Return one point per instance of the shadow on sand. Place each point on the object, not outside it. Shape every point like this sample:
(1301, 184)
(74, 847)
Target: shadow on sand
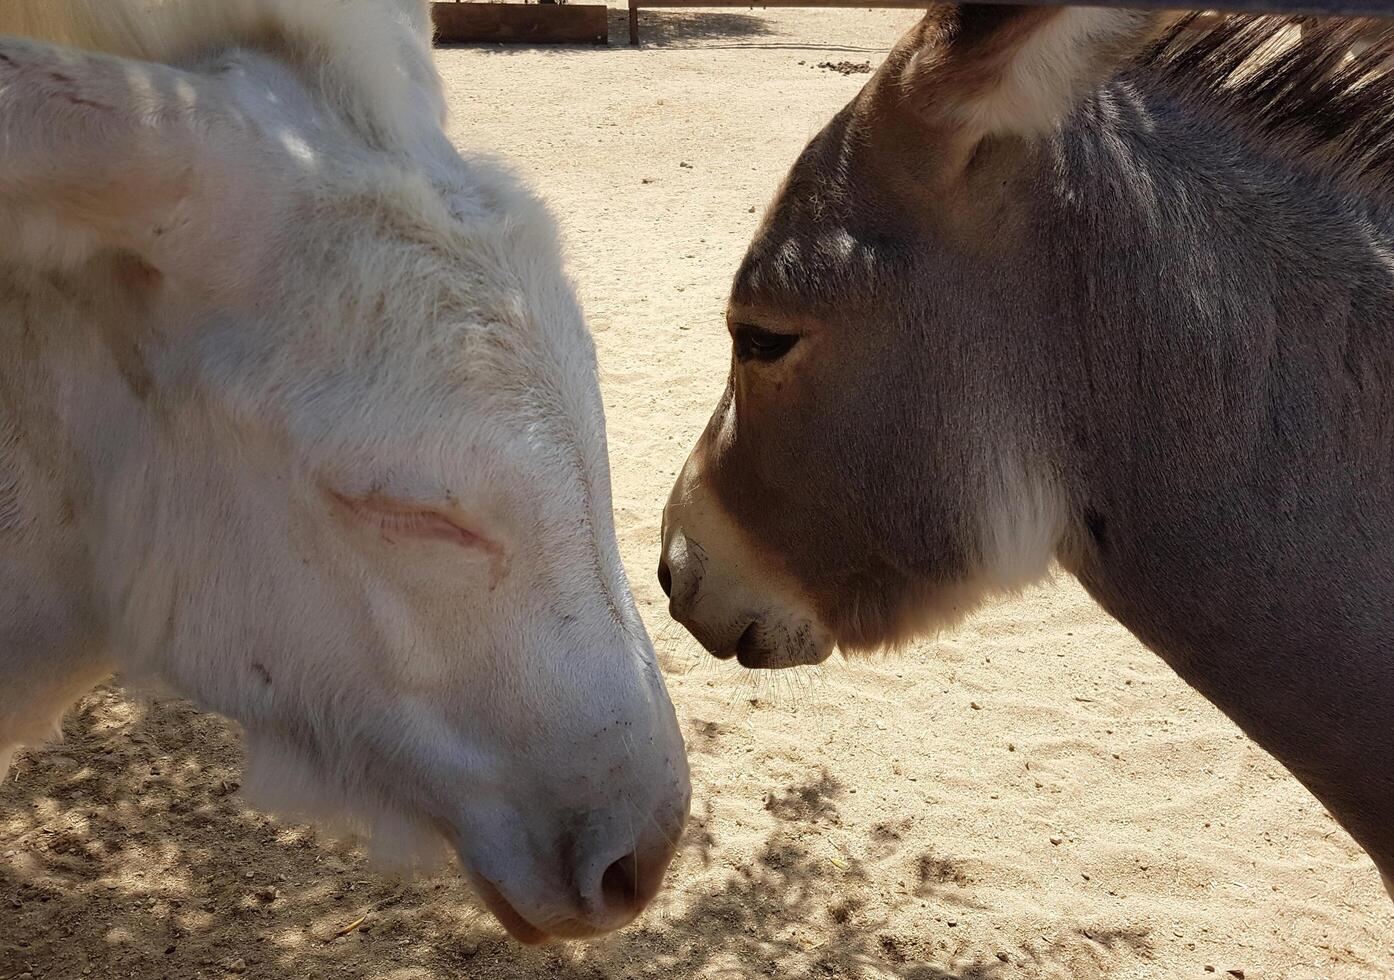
(125, 853)
(681, 28)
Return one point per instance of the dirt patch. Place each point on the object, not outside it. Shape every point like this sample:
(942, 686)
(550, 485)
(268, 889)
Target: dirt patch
(847, 67)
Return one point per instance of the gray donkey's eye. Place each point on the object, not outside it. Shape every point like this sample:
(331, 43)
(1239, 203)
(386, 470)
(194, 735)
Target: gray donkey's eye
(754, 344)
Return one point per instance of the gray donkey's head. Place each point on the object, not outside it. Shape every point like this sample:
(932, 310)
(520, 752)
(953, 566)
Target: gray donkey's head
(1089, 285)
(876, 463)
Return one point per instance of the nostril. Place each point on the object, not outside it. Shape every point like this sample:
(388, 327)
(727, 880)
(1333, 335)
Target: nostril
(619, 886)
(612, 894)
(665, 577)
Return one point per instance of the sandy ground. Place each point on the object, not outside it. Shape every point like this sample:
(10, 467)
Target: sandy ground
(1035, 796)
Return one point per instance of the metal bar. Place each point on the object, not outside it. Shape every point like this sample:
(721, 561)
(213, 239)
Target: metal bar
(1305, 8)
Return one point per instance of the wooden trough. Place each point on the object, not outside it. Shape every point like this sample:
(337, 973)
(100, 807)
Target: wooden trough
(521, 23)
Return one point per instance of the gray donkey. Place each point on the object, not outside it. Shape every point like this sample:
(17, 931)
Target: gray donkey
(1098, 287)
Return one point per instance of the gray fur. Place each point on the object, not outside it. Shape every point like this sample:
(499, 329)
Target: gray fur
(1176, 310)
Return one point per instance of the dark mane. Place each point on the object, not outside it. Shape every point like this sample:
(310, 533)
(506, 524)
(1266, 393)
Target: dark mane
(1320, 93)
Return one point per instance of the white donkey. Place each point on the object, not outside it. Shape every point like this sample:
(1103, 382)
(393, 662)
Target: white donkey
(299, 416)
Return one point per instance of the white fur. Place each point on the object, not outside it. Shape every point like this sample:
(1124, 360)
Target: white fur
(1022, 526)
(720, 584)
(240, 288)
(715, 570)
(1042, 82)
(369, 54)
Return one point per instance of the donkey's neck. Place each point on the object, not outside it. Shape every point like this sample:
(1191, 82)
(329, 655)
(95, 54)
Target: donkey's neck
(1300, 660)
(1232, 347)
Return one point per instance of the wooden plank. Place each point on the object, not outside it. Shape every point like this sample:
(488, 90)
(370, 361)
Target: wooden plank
(521, 23)
(1309, 8)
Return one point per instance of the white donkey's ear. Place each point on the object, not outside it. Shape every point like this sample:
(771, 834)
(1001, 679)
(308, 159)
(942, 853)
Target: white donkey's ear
(101, 152)
(980, 70)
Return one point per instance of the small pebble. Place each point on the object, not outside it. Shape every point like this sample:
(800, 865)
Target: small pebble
(975, 706)
(1057, 841)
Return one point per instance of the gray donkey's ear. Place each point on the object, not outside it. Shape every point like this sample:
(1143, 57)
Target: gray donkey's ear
(98, 152)
(980, 70)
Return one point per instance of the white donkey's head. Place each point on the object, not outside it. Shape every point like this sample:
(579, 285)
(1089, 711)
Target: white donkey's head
(346, 464)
